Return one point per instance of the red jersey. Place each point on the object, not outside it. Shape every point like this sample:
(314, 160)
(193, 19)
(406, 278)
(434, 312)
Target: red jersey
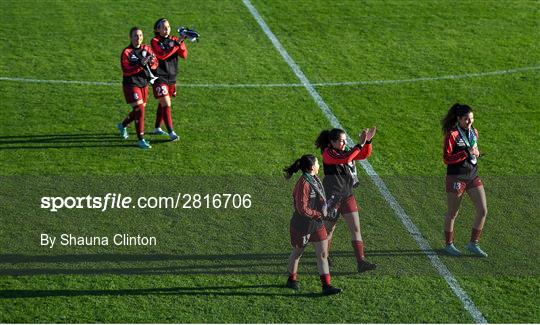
(456, 155)
(133, 72)
(340, 170)
(167, 50)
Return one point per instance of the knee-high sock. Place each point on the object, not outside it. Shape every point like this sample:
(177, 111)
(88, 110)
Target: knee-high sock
(475, 235)
(358, 247)
(132, 116)
(159, 116)
(167, 117)
(293, 276)
(137, 115)
(325, 280)
(449, 237)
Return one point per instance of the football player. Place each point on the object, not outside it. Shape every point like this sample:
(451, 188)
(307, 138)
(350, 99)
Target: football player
(306, 223)
(339, 181)
(167, 49)
(460, 154)
(137, 62)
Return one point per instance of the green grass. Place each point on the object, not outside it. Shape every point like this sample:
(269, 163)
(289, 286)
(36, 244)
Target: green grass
(229, 265)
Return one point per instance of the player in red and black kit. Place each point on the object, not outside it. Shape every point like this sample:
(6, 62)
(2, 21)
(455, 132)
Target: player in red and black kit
(306, 223)
(167, 49)
(461, 154)
(136, 60)
(339, 181)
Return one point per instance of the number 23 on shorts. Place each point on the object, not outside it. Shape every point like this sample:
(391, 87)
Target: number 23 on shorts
(162, 90)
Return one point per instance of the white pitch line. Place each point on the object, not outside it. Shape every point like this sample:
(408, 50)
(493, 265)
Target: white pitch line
(294, 85)
(449, 77)
(49, 81)
(399, 211)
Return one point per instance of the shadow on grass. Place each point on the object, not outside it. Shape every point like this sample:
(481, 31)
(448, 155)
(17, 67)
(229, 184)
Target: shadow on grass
(239, 291)
(68, 141)
(76, 258)
(162, 264)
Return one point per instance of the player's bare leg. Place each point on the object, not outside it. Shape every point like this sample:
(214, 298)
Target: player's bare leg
(294, 259)
(478, 196)
(321, 252)
(353, 223)
(453, 201)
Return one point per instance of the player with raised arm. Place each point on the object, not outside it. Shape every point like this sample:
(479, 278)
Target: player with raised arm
(137, 62)
(460, 154)
(339, 181)
(167, 49)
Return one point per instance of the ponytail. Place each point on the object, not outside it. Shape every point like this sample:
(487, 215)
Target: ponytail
(456, 111)
(305, 163)
(324, 138)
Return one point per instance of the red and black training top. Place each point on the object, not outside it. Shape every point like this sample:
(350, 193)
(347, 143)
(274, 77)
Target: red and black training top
(132, 71)
(456, 155)
(167, 50)
(307, 216)
(307, 201)
(338, 167)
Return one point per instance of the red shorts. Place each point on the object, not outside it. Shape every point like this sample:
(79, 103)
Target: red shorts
(347, 205)
(162, 90)
(456, 185)
(134, 94)
(298, 239)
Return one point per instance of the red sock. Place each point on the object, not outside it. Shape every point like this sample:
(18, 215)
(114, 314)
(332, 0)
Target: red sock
(127, 120)
(325, 280)
(159, 116)
(167, 117)
(358, 247)
(292, 276)
(138, 117)
(475, 235)
(449, 236)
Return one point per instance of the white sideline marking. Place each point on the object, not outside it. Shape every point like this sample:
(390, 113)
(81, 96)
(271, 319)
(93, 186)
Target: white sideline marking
(292, 85)
(400, 212)
(449, 77)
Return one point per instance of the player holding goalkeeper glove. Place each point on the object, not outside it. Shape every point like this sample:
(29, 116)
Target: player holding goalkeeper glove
(136, 61)
(306, 223)
(167, 49)
(339, 181)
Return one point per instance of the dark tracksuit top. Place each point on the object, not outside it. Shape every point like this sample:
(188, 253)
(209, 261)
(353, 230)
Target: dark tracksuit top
(307, 216)
(168, 57)
(133, 73)
(456, 156)
(338, 166)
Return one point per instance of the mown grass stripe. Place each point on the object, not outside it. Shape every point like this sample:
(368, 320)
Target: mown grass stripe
(390, 199)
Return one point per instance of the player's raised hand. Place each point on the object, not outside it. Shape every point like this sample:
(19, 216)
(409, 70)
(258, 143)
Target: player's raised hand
(362, 137)
(371, 133)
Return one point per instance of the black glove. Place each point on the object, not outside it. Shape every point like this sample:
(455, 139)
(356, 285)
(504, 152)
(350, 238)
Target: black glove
(332, 215)
(168, 43)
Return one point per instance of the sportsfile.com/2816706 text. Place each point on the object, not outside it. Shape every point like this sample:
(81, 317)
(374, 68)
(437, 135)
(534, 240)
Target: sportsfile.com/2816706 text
(119, 201)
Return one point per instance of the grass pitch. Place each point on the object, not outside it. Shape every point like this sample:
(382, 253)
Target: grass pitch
(229, 265)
